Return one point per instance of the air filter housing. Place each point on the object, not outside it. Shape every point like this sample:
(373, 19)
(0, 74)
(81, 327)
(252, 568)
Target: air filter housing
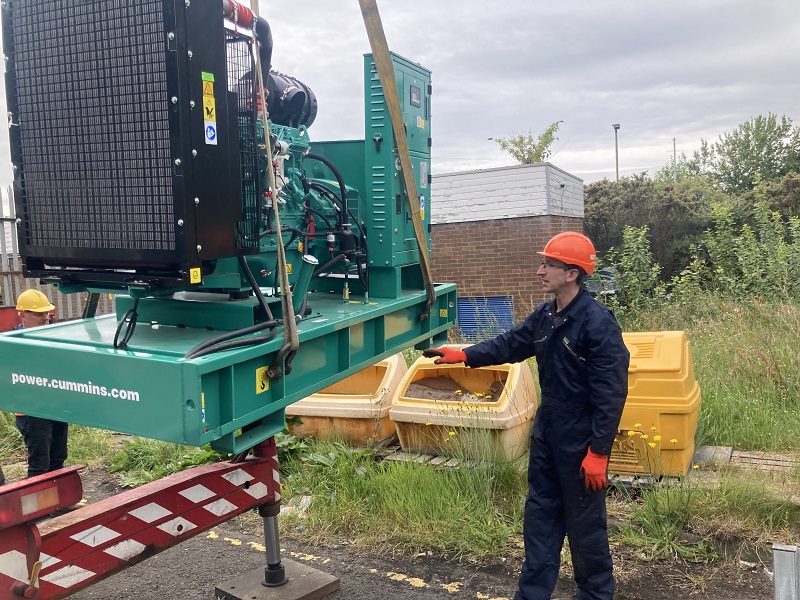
(125, 139)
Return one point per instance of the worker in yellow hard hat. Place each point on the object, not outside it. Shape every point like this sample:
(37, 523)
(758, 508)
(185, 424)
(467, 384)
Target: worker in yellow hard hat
(35, 309)
(45, 439)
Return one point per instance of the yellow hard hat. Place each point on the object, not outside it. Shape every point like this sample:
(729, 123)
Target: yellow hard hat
(34, 301)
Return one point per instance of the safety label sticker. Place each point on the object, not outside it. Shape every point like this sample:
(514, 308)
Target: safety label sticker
(262, 380)
(209, 108)
(211, 132)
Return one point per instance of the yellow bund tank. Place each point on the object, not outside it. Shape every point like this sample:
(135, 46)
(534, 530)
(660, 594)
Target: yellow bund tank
(482, 413)
(656, 433)
(355, 410)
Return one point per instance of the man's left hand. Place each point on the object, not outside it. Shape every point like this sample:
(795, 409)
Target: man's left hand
(594, 468)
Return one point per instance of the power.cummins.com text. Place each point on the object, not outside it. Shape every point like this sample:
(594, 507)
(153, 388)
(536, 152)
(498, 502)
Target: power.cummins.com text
(74, 386)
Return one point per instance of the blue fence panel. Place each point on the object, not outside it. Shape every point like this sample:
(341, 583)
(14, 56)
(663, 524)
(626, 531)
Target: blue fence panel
(483, 317)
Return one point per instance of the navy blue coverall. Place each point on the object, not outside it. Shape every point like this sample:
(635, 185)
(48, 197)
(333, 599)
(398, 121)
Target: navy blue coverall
(46, 441)
(583, 374)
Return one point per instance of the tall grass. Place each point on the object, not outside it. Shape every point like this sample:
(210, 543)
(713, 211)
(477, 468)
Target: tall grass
(11, 444)
(408, 507)
(89, 446)
(746, 362)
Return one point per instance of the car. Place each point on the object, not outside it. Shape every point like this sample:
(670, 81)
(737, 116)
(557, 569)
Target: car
(603, 283)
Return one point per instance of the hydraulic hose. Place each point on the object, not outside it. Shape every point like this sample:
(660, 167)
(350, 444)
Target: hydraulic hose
(339, 180)
(229, 344)
(256, 289)
(321, 216)
(328, 265)
(217, 343)
(335, 199)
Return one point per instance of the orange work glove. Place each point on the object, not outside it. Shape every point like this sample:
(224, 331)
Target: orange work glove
(447, 355)
(594, 468)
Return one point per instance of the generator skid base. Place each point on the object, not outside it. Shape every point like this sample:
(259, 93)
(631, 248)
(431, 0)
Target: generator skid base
(302, 583)
(72, 372)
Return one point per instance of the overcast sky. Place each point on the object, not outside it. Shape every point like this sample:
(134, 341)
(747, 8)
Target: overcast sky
(685, 69)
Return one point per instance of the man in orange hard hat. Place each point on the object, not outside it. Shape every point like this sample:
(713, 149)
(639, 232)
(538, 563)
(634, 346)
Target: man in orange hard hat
(45, 439)
(583, 374)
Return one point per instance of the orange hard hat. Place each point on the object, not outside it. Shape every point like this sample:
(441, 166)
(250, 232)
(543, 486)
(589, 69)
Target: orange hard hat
(572, 248)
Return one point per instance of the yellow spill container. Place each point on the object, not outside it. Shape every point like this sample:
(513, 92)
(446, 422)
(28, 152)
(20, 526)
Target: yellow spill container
(355, 410)
(478, 413)
(656, 433)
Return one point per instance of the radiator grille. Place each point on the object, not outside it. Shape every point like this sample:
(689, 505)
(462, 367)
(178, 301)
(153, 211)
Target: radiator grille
(240, 69)
(93, 114)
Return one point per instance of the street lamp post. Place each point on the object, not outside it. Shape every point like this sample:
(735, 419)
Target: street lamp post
(616, 146)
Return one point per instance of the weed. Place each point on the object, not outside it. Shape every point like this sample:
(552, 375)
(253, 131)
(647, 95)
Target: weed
(661, 510)
(89, 446)
(143, 460)
(406, 507)
(11, 444)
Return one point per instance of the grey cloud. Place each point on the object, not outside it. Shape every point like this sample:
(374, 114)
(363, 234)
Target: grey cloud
(686, 69)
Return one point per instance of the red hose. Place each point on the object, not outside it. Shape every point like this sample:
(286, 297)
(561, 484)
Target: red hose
(241, 15)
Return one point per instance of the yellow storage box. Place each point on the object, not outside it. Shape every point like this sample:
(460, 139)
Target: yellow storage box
(656, 433)
(355, 410)
(482, 413)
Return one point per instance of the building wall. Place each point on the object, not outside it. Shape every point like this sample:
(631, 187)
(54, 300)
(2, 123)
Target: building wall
(505, 193)
(497, 257)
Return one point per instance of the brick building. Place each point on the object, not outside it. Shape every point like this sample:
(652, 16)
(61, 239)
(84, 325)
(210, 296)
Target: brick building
(486, 227)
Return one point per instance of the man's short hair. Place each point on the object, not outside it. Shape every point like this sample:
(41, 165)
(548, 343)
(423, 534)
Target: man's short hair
(581, 273)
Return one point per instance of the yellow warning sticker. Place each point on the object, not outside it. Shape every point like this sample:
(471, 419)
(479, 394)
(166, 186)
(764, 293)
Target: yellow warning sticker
(195, 276)
(208, 88)
(262, 381)
(289, 268)
(209, 108)
(443, 313)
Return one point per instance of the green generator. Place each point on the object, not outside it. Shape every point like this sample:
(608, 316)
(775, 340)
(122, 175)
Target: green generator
(146, 167)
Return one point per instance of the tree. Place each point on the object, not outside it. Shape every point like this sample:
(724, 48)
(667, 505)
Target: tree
(685, 169)
(526, 149)
(763, 148)
(674, 215)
